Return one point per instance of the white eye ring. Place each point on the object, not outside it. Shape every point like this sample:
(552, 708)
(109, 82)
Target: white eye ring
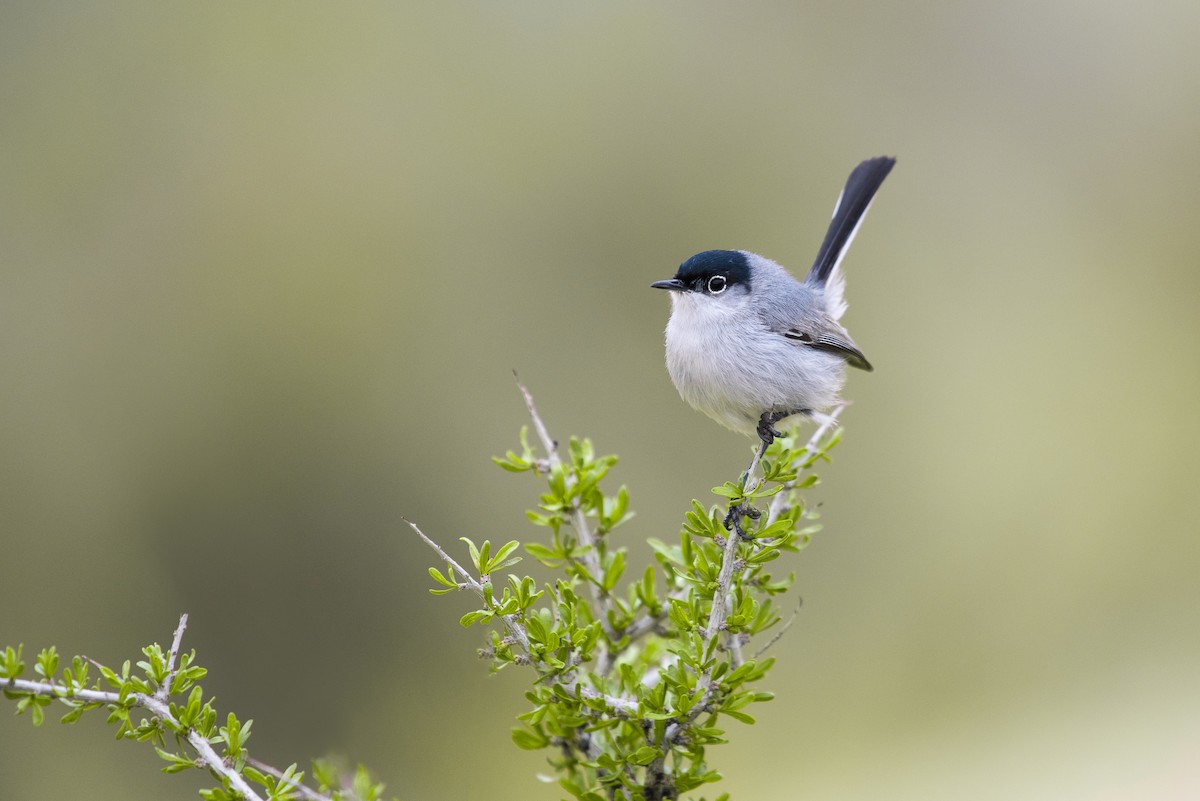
(717, 284)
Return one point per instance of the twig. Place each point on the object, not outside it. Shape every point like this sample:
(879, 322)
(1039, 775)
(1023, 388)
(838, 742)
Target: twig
(779, 634)
(754, 463)
(516, 628)
(651, 623)
(291, 782)
(164, 690)
(587, 541)
(578, 519)
(470, 581)
(720, 602)
(548, 444)
(212, 760)
(53, 690)
(717, 616)
(734, 644)
(161, 707)
(779, 503)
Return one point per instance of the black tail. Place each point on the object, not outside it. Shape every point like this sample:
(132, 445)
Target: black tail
(861, 186)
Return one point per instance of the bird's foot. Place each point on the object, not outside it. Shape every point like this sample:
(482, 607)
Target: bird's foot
(737, 513)
(766, 429)
(766, 424)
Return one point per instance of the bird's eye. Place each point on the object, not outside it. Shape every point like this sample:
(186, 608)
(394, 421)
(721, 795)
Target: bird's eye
(716, 284)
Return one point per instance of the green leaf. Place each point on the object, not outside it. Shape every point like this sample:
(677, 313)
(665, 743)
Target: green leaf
(644, 755)
(440, 579)
(767, 492)
(11, 665)
(612, 573)
(502, 554)
(72, 716)
(175, 762)
(763, 555)
(47, 664)
(512, 463)
(111, 677)
(474, 553)
(742, 716)
(471, 618)
(529, 740)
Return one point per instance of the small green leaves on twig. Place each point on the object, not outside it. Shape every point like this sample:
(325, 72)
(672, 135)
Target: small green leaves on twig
(634, 677)
(485, 563)
(182, 726)
(526, 460)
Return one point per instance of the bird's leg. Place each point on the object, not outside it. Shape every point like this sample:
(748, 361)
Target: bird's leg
(737, 513)
(766, 428)
(766, 424)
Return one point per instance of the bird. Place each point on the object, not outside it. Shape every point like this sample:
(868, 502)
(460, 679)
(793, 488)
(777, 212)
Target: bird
(751, 346)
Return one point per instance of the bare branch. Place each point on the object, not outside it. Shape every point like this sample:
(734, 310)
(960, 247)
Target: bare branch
(548, 444)
(164, 689)
(471, 582)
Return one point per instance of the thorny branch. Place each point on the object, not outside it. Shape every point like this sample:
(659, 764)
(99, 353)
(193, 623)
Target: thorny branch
(583, 530)
(516, 628)
(158, 704)
(658, 781)
(729, 559)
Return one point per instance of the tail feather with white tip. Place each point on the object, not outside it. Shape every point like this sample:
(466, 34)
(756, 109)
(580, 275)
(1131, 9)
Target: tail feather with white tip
(848, 214)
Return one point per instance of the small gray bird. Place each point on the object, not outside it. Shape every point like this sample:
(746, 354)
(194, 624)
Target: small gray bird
(748, 344)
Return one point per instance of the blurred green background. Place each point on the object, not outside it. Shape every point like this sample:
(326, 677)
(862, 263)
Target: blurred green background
(267, 268)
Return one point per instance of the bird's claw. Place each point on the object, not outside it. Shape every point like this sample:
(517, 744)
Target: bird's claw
(766, 431)
(737, 513)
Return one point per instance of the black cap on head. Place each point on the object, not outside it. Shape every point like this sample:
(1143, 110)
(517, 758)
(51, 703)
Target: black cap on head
(732, 264)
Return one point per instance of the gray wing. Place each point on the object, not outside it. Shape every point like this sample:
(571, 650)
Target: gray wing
(832, 339)
(798, 312)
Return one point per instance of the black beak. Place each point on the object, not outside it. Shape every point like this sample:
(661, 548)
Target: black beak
(674, 284)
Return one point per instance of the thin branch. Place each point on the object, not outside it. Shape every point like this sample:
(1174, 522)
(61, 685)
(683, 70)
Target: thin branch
(779, 634)
(587, 541)
(213, 761)
(160, 707)
(513, 623)
(470, 580)
(754, 463)
(578, 519)
(717, 616)
(548, 444)
(290, 781)
(48, 689)
(734, 644)
(516, 628)
(720, 602)
(719, 612)
(164, 690)
(779, 503)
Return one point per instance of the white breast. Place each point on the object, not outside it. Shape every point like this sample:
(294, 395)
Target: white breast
(725, 363)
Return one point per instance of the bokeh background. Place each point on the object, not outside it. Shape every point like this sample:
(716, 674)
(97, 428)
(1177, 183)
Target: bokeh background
(267, 268)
